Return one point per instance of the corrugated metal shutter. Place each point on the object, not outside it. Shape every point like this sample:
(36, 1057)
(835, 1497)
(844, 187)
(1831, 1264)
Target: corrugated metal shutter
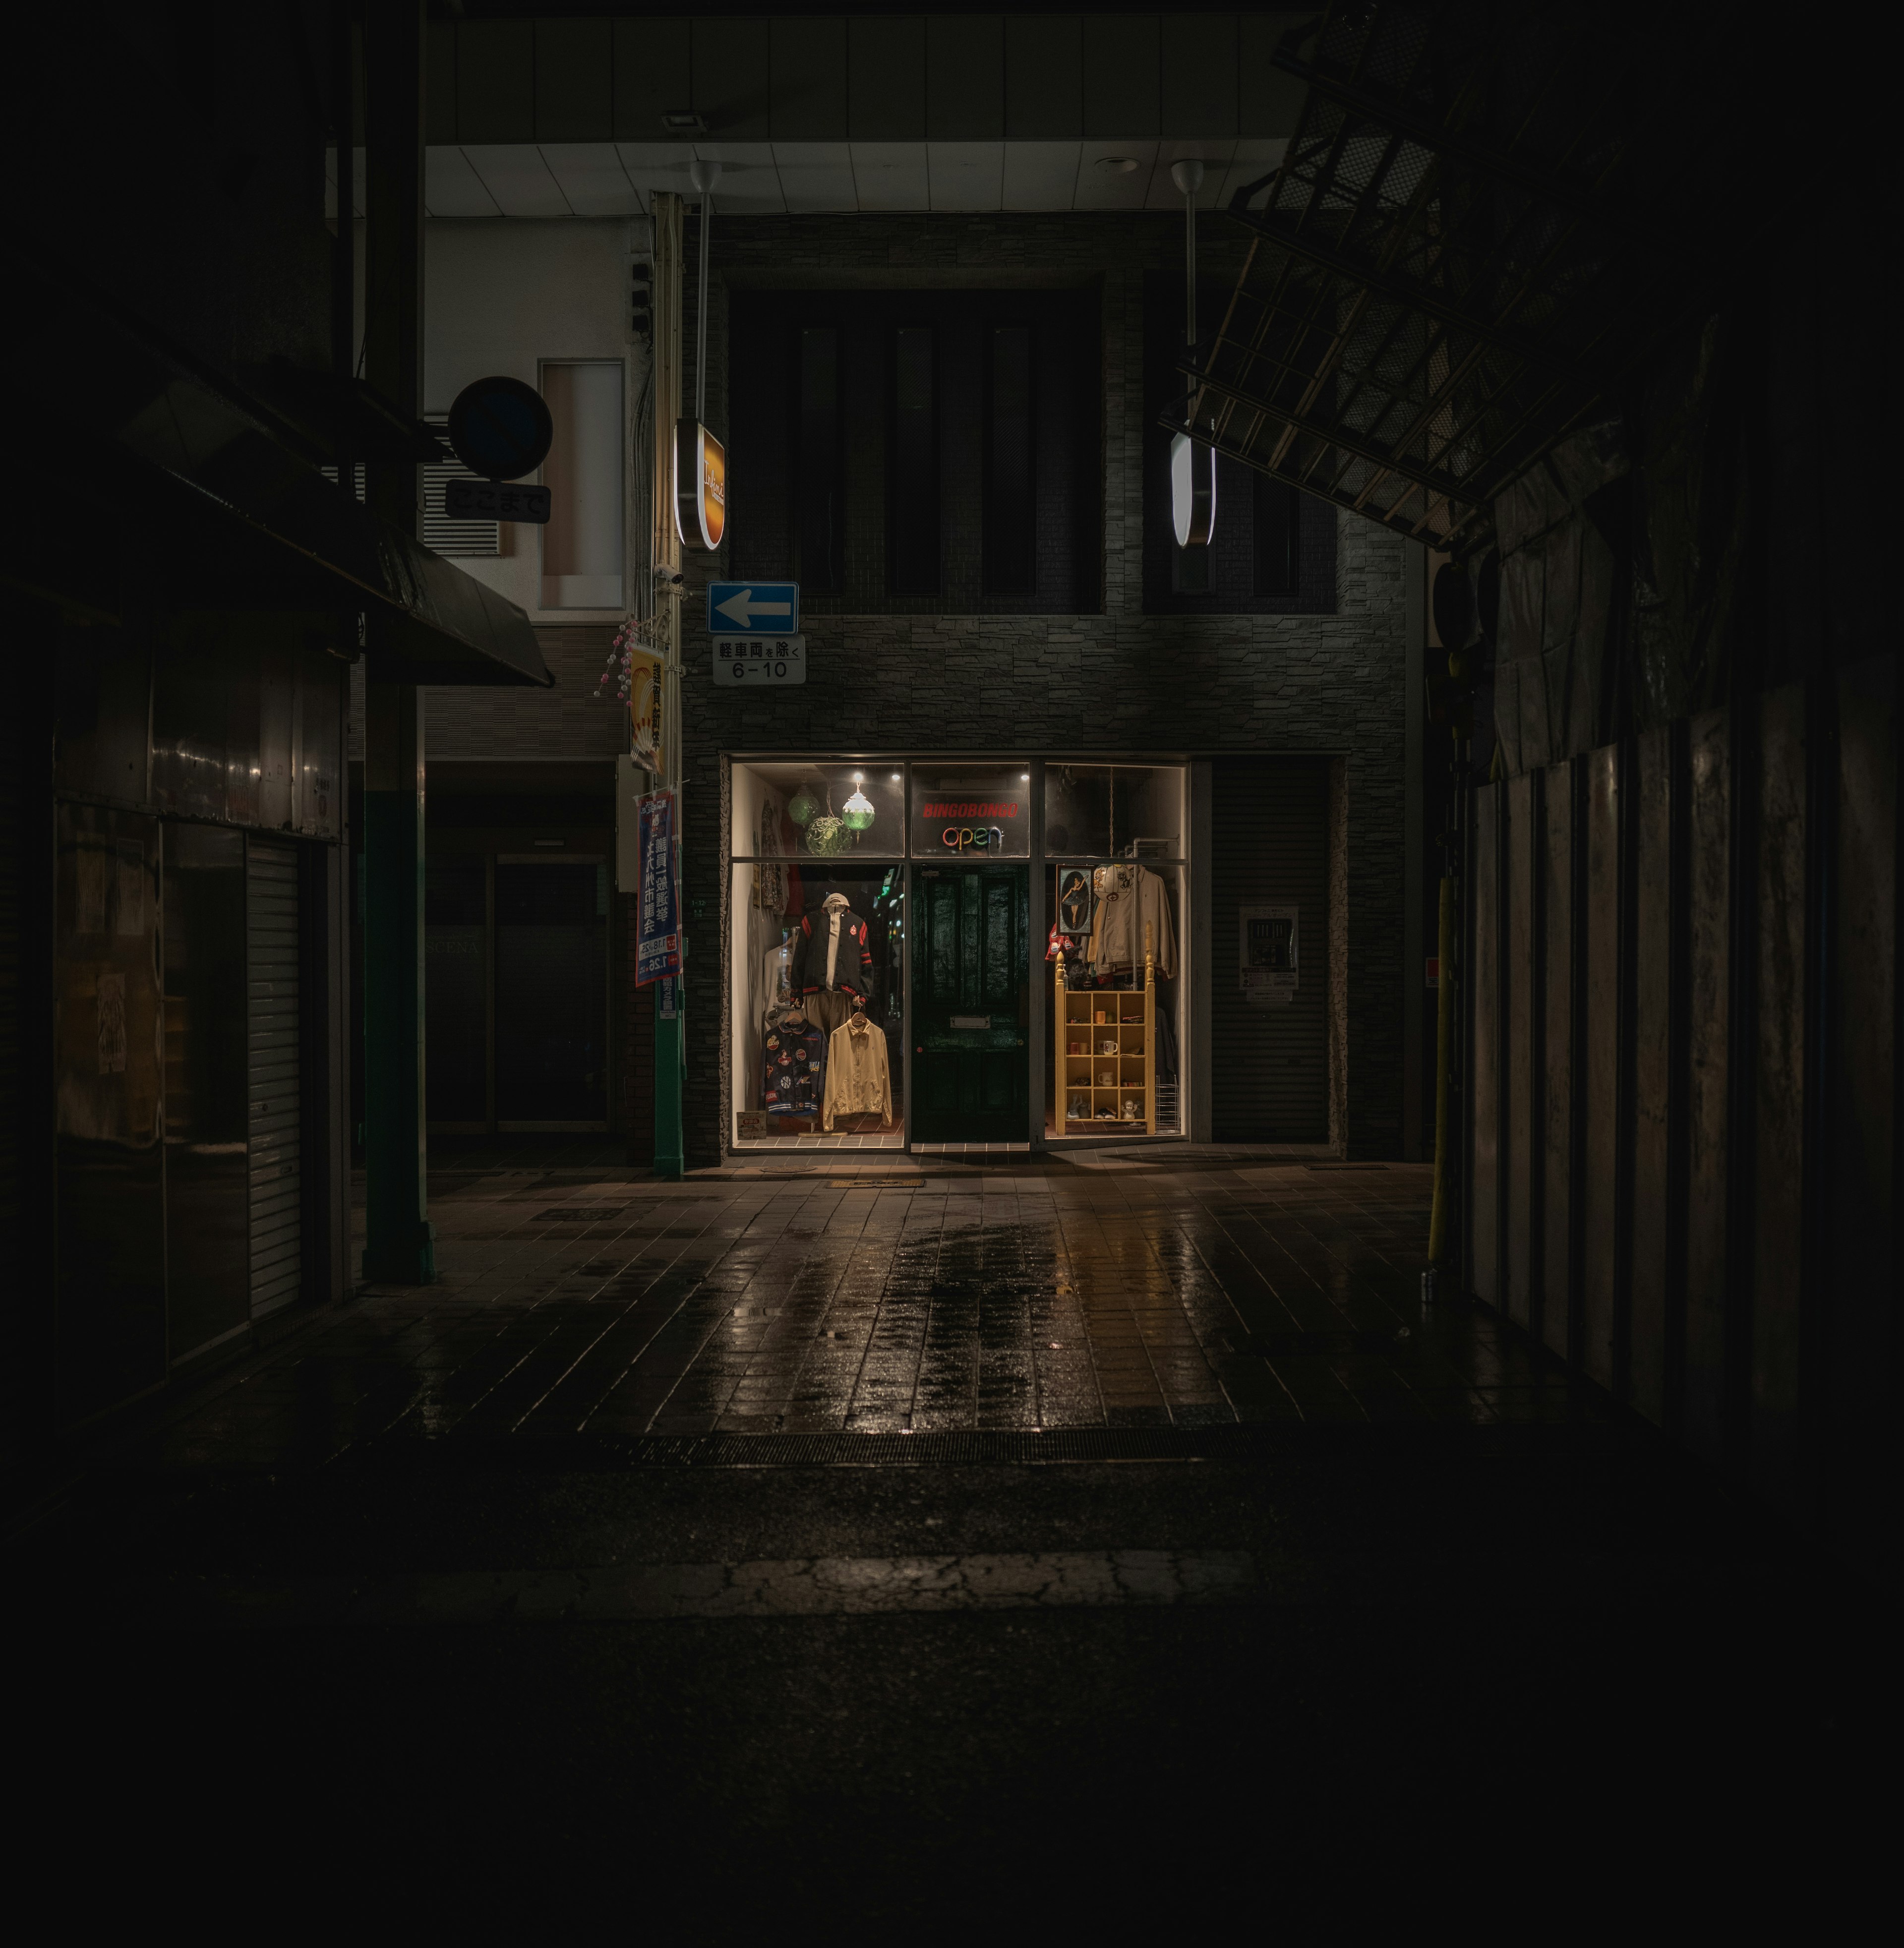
(1270, 1066)
(276, 1109)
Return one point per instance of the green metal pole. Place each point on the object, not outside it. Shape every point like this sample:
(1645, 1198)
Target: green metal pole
(670, 1057)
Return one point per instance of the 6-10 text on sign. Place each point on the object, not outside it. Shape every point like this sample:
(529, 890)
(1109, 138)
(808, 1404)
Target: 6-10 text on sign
(759, 659)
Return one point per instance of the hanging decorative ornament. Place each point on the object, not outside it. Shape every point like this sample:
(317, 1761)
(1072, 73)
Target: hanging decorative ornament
(803, 806)
(859, 812)
(828, 836)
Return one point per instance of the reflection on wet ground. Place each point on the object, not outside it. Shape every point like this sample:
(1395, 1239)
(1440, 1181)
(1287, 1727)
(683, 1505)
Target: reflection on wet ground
(1168, 1290)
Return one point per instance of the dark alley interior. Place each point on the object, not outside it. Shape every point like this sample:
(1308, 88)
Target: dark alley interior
(948, 970)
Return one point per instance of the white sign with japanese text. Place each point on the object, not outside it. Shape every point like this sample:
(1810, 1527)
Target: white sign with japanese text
(758, 659)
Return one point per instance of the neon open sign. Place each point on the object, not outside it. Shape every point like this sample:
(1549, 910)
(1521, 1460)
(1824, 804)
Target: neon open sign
(985, 817)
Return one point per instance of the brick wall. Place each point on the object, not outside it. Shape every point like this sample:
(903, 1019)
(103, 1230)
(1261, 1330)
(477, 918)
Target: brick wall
(1117, 681)
(509, 721)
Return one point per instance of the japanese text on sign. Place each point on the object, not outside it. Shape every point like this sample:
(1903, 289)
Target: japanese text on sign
(658, 946)
(760, 659)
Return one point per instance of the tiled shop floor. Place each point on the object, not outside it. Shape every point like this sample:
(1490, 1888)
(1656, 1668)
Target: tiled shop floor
(1112, 1288)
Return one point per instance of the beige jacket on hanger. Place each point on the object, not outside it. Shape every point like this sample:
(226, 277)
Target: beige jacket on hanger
(1136, 895)
(859, 1080)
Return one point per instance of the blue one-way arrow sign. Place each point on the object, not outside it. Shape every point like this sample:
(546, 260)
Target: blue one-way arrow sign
(753, 608)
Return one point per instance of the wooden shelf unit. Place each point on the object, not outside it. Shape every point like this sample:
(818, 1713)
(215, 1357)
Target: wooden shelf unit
(1131, 1021)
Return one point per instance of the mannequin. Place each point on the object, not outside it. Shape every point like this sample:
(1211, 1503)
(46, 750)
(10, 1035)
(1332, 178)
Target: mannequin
(832, 963)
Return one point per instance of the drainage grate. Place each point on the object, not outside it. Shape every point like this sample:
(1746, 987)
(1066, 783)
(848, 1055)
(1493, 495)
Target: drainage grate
(569, 1215)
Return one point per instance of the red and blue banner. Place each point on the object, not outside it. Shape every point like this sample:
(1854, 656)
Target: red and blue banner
(658, 945)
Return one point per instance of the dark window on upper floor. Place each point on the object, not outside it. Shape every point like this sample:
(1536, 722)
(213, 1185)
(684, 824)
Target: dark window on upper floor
(1011, 464)
(819, 523)
(912, 463)
(1273, 552)
(922, 452)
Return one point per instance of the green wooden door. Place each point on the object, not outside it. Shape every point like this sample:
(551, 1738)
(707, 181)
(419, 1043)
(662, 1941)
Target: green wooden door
(971, 1002)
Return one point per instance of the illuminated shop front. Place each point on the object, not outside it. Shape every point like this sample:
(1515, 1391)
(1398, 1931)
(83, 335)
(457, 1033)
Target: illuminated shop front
(922, 952)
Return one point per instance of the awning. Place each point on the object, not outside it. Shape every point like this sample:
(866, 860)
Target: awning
(1485, 218)
(126, 432)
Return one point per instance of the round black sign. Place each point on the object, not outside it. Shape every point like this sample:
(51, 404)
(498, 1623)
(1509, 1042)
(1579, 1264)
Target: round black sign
(500, 429)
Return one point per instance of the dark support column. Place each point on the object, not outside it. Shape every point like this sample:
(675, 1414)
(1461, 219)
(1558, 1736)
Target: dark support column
(1414, 845)
(399, 1247)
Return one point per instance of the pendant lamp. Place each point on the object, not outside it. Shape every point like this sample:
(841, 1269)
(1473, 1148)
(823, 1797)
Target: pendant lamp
(801, 806)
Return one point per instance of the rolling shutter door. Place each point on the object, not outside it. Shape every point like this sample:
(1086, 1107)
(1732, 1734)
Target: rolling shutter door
(274, 1105)
(1270, 1066)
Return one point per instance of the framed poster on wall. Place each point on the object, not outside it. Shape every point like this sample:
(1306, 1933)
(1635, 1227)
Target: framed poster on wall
(1267, 944)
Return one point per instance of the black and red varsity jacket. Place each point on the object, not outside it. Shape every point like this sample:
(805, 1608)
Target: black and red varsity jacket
(852, 966)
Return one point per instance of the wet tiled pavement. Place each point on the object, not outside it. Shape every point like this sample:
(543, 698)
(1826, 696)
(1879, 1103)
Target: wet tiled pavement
(1103, 1289)
(933, 1543)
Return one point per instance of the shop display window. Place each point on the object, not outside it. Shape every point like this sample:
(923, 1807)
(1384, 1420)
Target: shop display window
(817, 996)
(971, 811)
(1113, 1004)
(846, 1030)
(820, 811)
(1114, 811)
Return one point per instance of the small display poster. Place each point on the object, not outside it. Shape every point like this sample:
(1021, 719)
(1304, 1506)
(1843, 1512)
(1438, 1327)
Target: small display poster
(657, 947)
(1267, 944)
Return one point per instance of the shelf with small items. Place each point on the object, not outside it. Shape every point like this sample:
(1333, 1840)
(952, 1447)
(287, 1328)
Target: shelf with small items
(1105, 1055)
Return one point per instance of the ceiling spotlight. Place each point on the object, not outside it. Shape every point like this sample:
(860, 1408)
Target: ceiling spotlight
(684, 122)
(895, 777)
(1118, 165)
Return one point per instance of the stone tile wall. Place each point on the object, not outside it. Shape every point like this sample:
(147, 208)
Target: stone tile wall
(1230, 688)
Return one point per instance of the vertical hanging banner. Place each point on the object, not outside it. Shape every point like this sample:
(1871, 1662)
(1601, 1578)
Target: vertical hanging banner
(658, 946)
(646, 692)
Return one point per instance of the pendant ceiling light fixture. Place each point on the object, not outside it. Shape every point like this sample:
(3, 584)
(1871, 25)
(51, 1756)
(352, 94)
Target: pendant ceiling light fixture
(700, 459)
(1193, 462)
(858, 813)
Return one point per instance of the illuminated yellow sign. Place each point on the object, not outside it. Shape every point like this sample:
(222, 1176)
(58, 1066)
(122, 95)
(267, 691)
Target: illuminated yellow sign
(700, 485)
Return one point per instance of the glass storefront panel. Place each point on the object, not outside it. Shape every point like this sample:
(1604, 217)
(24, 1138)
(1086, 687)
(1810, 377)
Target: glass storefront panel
(817, 996)
(971, 811)
(912, 928)
(824, 810)
(1113, 1005)
(1114, 811)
